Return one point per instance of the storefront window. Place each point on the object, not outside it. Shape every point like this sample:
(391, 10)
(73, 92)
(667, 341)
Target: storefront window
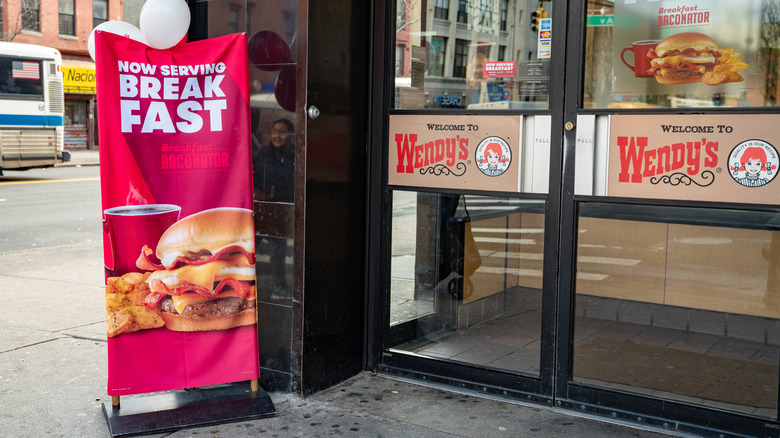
(706, 54)
(271, 29)
(685, 309)
(272, 75)
(76, 112)
(486, 54)
(466, 278)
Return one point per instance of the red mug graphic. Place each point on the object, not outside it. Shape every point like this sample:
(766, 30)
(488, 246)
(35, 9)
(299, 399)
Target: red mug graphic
(641, 61)
(130, 227)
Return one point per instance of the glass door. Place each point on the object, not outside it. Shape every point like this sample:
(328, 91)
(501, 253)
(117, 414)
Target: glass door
(669, 246)
(628, 269)
(472, 210)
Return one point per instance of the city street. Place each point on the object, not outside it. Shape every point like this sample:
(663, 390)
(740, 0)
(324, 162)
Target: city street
(53, 368)
(52, 353)
(49, 207)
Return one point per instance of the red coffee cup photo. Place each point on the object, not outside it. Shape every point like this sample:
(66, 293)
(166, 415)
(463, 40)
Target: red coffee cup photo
(641, 60)
(130, 227)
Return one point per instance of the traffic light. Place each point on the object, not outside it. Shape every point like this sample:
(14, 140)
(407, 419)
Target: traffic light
(537, 15)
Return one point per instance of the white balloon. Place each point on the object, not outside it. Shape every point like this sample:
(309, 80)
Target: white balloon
(164, 22)
(126, 30)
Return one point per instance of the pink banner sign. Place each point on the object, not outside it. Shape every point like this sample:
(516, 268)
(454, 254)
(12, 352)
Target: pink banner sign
(176, 180)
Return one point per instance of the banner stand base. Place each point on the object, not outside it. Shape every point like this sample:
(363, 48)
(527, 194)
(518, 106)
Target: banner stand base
(176, 410)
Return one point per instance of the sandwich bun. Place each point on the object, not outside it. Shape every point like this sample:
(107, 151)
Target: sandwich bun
(210, 230)
(180, 323)
(685, 40)
(683, 80)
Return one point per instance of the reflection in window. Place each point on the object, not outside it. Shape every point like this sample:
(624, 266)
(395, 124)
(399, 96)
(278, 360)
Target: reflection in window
(438, 54)
(31, 15)
(269, 24)
(459, 63)
(459, 49)
(504, 13)
(680, 310)
(399, 59)
(465, 279)
(441, 9)
(463, 11)
(233, 19)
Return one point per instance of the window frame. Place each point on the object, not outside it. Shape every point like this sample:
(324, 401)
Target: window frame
(441, 9)
(31, 15)
(460, 58)
(68, 18)
(95, 19)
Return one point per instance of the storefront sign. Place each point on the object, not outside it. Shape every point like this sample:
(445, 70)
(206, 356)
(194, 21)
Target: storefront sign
(600, 21)
(710, 158)
(78, 77)
(449, 101)
(455, 152)
(176, 179)
(706, 47)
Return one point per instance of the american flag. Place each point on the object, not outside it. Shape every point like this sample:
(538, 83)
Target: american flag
(25, 70)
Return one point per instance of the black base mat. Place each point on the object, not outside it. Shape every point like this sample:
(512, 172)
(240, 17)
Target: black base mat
(187, 408)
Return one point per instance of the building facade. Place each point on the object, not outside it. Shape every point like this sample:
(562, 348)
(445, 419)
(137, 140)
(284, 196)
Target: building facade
(65, 26)
(571, 205)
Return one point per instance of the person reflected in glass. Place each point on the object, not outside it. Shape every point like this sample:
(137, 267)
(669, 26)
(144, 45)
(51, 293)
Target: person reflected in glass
(274, 180)
(274, 164)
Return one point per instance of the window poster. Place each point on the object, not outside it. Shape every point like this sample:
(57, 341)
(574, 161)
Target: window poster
(455, 152)
(699, 47)
(176, 183)
(710, 158)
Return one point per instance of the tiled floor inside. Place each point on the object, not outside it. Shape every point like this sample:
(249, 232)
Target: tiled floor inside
(512, 342)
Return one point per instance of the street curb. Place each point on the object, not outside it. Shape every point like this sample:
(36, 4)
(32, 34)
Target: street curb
(76, 164)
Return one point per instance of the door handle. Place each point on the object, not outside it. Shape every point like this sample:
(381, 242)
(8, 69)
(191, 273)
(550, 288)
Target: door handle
(313, 112)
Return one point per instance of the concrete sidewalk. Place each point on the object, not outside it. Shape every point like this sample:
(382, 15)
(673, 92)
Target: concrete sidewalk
(81, 157)
(53, 374)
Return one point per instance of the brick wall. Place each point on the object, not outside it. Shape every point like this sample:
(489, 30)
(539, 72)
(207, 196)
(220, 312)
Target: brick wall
(75, 136)
(72, 47)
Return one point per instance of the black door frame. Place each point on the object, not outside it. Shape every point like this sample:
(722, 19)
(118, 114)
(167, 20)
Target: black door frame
(636, 408)
(554, 385)
(538, 389)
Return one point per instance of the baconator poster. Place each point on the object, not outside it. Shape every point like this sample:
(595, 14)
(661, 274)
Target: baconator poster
(176, 182)
(704, 46)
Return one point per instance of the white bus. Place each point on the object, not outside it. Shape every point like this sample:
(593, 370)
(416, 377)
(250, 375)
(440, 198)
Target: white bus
(32, 107)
